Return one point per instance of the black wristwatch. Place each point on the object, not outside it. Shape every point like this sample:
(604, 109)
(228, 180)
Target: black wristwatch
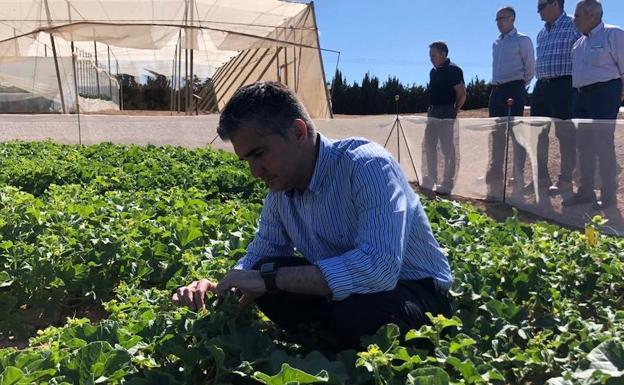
(268, 272)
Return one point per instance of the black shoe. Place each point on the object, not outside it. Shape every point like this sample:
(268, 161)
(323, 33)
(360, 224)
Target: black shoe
(603, 205)
(561, 187)
(578, 199)
(443, 188)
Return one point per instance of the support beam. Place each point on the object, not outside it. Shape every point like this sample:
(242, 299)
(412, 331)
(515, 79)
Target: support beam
(96, 73)
(110, 81)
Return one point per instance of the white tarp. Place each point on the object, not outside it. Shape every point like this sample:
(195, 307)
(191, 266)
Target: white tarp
(144, 35)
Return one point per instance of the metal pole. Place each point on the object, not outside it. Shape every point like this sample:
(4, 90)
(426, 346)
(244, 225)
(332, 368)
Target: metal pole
(320, 58)
(173, 81)
(56, 65)
(110, 81)
(510, 102)
(120, 79)
(58, 74)
(396, 101)
(75, 83)
(179, 72)
(97, 75)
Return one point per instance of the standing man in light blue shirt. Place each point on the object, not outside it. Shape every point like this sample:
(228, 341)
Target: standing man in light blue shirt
(369, 256)
(553, 92)
(513, 68)
(598, 72)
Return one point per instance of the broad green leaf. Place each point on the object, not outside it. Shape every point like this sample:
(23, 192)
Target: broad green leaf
(11, 375)
(429, 375)
(386, 337)
(291, 376)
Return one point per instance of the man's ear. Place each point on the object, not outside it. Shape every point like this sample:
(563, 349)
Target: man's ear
(301, 129)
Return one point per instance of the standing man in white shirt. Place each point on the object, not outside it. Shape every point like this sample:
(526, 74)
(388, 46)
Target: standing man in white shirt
(513, 68)
(598, 73)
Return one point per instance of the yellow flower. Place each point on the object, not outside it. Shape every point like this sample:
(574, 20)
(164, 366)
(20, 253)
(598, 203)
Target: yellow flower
(590, 236)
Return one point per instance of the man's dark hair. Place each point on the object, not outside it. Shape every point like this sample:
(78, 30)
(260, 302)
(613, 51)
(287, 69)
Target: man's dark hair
(270, 106)
(509, 9)
(440, 46)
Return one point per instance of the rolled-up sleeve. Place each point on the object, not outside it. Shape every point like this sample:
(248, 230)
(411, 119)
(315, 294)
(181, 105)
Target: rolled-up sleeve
(384, 217)
(271, 240)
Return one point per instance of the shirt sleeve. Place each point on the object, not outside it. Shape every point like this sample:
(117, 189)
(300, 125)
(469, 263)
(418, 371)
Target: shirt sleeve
(271, 240)
(617, 47)
(458, 76)
(384, 217)
(528, 58)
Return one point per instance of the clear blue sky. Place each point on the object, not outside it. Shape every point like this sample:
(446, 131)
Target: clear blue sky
(391, 37)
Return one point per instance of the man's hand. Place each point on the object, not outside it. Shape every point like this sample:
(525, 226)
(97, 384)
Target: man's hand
(194, 294)
(249, 282)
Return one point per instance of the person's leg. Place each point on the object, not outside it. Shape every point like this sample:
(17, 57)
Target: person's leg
(447, 144)
(540, 106)
(292, 312)
(406, 306)
(605, 151)
(562, 100)
(494, 175)
(587, 155)
(519, 95)
(606, 104)
(430, 151)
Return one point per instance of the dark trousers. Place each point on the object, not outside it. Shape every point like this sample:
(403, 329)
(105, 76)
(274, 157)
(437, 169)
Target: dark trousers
(498, 108)
(596, 140)
(444, 133)
(342, 323)
(553, 98)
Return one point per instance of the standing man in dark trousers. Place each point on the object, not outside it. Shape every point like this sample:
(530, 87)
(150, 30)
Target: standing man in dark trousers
(552, 95)
(513, 68)
(448, 94)
(598, 70)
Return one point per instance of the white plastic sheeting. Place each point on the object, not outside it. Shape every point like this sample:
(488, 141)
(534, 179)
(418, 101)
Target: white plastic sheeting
(143, 35)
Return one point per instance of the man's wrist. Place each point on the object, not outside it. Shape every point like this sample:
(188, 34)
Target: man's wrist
(268, 272)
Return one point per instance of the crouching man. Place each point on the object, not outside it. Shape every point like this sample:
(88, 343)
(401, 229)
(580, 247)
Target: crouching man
(369, 255)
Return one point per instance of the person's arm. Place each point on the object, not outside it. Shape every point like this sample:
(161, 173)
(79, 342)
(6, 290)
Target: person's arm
(271, 239)
(372, 266)
(528, 58)
(460, 96)
(384, 218)
(293, 279)
(617, 47)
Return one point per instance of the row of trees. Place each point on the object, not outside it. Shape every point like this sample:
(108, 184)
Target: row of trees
(371, 98)
(155, 92)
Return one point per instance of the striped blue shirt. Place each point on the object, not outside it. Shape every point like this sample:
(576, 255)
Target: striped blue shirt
(359, 221)
(554, 48)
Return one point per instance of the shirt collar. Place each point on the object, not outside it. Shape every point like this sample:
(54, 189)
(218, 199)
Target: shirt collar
(563, 14)
(511, 33)
(446, 63)
(320, 168)
(596, 29)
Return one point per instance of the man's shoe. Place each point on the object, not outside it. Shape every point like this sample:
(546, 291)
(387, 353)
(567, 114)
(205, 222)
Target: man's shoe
(561, 187)
(578, 199)
(443, 188)
(604, 204)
